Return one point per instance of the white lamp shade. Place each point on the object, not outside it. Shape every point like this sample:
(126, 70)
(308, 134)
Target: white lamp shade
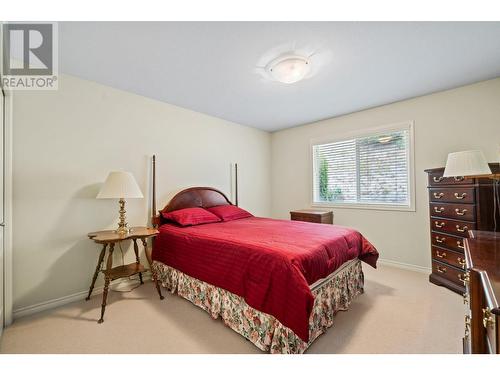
(466, 163)
(120, 185)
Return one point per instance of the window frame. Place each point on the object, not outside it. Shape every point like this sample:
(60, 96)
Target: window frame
(404, 125)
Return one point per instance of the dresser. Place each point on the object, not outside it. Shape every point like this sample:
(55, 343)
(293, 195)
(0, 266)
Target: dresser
(482, 296)
(312, 216)
(456, 206)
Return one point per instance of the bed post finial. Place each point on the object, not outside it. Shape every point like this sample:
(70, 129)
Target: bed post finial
(236, 183)
(154, 193)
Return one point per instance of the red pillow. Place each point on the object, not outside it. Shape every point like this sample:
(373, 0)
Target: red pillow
(229, 212)
(191, 216)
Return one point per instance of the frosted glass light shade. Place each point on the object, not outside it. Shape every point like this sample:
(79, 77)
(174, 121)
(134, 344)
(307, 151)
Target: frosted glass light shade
(120, 185)
(289, 69)
(466, 163)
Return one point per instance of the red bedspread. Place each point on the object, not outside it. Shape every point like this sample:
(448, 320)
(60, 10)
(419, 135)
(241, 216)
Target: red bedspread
(270, 263)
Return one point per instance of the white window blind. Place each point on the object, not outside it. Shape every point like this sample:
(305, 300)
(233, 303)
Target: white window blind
(368, 170)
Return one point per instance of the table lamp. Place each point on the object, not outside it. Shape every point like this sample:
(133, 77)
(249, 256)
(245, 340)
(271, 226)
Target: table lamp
(472, 163)
(120, 185)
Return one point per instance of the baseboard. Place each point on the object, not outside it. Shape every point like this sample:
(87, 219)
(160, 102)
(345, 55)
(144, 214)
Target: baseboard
(405, 266)
(57, 302)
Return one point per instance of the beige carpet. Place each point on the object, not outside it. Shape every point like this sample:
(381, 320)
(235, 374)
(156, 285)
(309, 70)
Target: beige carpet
(400, 312)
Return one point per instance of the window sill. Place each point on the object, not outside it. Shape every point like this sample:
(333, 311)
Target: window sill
(357, 206)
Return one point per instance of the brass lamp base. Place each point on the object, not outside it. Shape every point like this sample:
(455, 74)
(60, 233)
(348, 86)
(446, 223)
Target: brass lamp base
(123, 229)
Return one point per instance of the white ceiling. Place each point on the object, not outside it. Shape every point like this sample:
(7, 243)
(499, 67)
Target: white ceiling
(210, 67)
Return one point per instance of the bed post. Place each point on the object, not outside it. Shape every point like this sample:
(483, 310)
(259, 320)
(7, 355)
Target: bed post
(153, 218)
(236, 183)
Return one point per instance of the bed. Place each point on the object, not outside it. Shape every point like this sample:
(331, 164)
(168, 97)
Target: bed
(278, 283)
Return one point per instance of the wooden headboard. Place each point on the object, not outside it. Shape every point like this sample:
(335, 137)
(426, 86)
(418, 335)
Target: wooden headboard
(197, 197)
(203, 197)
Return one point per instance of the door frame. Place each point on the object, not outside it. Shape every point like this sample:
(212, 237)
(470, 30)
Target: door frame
(8, 99)
(7, 238)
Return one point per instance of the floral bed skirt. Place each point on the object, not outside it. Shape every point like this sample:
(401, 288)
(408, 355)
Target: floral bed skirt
(264, 330)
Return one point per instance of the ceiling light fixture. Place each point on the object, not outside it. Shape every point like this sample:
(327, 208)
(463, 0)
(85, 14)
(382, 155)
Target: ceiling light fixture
(289, 68)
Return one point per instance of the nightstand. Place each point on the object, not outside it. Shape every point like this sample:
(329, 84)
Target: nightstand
(312, 216)
(108, 238)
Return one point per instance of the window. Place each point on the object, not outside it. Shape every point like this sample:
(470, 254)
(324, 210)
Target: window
(371, 170)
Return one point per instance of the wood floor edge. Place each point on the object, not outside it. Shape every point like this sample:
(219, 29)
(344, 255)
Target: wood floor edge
(61, 301)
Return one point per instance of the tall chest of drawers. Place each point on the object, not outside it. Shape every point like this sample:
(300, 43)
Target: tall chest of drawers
(456, 205)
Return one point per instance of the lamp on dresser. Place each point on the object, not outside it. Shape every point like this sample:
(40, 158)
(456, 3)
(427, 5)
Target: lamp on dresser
(461, 198)
(472, 164)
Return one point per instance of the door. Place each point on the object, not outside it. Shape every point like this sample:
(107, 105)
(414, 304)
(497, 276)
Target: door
(2, 118)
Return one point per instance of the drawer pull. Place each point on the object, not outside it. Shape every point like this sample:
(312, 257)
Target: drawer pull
(441, 269)
(438, 195)
(438, 210)
(460, 212)
(459, 178)
(461, 261)
(437, 225)
(464, 277)
(440, 239)
(488, 319)
(440, 255)
(462, 229)
(438, 179)
(460, 245)
(460, 196)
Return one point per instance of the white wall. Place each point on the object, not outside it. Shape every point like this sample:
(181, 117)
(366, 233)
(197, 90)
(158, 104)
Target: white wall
(66, 142)
(454, 120)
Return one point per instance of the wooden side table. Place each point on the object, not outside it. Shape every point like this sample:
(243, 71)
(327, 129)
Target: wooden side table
(312, 216)
(108, 238)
